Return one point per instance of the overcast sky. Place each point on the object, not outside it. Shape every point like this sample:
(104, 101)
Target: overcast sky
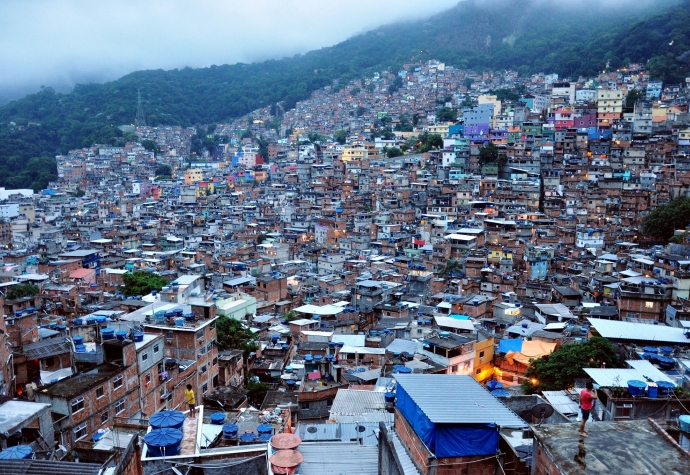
(60, 42)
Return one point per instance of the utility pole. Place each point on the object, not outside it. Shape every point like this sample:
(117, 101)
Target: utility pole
(140, 120)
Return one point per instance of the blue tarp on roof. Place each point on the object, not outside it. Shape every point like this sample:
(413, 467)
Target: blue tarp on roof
(448, 440)
(506, 346)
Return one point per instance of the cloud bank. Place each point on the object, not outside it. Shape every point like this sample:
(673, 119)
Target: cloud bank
(60, 43)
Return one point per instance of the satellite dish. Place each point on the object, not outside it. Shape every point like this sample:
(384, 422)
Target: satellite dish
(542, 411)
(312, 429)
(361, 428)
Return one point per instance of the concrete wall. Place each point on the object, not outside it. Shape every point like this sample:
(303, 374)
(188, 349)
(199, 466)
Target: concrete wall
(388, 459)
(522, 405)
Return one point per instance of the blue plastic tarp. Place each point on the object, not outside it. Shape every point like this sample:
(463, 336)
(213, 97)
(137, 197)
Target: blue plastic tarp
(506, 346)
(448, 440)
(465, 440)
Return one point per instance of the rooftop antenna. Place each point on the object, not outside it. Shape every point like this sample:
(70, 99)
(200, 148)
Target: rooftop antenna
(140, 120)
(542, 411)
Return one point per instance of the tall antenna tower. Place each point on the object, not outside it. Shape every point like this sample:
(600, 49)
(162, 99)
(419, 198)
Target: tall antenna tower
(140, 120)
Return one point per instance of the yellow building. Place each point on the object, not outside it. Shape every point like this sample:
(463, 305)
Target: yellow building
(440, 129)
(609, 106)
(488, 99)
(193, 175)
(484, 360)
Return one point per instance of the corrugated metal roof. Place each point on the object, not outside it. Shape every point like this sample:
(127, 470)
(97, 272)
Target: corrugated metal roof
(209, 433)
(47, 467)
(456, 399)
(617, 330)
(338, 457)
(352, 405)
(561, 401)
(399, 345)
(406, 464)
(619, 377)
(47, 348)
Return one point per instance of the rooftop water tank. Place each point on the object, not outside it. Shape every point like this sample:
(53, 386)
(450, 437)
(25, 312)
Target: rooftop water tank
(264, 429)
(122, 335)
(18, 452)
(285, 441)
(248, 437)
(108, 333)
(264, 437)
(163, 442)
(179, 322)
(138, 336)
(317, 358)
(230, 431)
(80, 348)
(217, 418)
(167, 419)
(78, 340)
(308, 358)
(500, 393)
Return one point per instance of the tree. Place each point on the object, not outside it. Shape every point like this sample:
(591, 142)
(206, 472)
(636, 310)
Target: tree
(446, 114)
(256, 392)
(452, 268)
(142, 282)
(505, 94)
(151, 146)
(232, 334)
(663, 221)
(290, 316)
(632, 97)
(492, 154)
(468, 82)
(261, 238)
(164, 170)
(340, 136)
(20, 291)
(559, 370)
(393, 152)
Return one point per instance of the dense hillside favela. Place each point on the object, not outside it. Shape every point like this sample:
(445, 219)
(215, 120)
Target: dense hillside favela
(428, 267)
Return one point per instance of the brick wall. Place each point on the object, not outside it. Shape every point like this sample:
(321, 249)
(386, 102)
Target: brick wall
(543, 463)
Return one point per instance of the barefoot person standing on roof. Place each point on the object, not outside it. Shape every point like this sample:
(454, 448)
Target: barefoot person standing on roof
(587, 397)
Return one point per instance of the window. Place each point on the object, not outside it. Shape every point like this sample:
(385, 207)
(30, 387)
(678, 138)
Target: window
(200, 334)
(481, 354)
(117, 382)
(202, 350)
(120, 406)
(104, 417)
(215, 361)
(144, 356)
(80, 431)
(147, 378)
(156, 348)
(169, 335)
(209, 346)
(77, 405)
(649, 304)
(204, 388)
(203, 369)
(478, 371)
(99, 392)
(304, 405)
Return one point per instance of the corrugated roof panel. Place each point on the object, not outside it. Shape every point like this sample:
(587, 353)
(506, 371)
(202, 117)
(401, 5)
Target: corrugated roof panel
(562, 402)
(338, 457)
(456, 399)
(617, 330)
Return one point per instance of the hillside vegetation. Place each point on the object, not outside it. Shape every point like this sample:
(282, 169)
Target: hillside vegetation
(526, 35)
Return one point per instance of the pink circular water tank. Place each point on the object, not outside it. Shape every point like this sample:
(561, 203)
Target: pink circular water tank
(285, 441)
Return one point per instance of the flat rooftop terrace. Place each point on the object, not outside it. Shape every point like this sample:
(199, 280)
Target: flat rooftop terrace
(616, 448)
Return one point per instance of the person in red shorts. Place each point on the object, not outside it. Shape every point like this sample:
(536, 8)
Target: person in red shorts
(587, 397)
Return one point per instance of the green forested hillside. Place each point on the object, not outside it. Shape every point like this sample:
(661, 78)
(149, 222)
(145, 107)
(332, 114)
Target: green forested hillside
(527, 35)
